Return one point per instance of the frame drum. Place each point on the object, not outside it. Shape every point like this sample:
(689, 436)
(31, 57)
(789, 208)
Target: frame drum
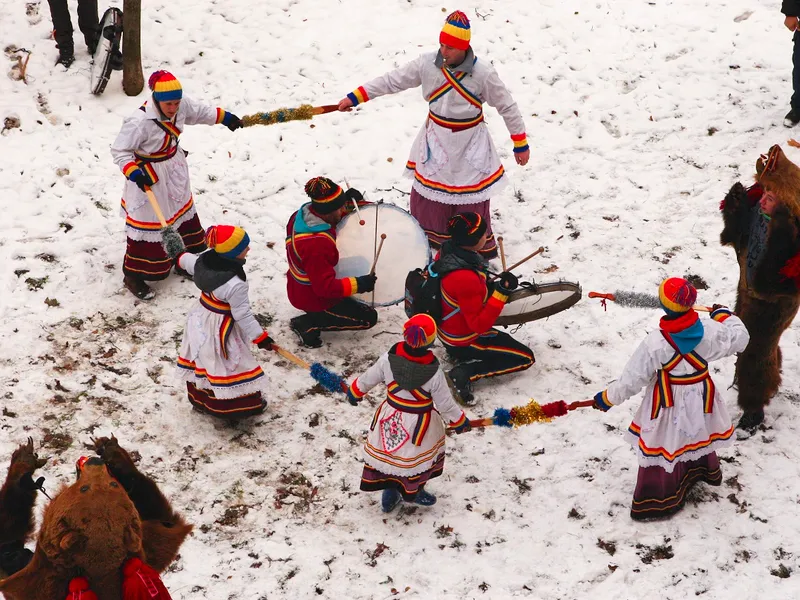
(537, 301)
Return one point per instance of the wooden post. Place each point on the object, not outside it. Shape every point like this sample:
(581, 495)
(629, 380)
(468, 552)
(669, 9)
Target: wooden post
(132, 78)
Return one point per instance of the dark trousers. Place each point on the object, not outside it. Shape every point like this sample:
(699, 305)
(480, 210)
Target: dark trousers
(492, 354)
(795, 103)
(88, 23)
(344, 316)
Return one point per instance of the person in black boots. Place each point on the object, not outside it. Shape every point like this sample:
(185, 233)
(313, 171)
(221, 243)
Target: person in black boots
(791, 9)
(311, 282)
(88, 23)
(470, 307)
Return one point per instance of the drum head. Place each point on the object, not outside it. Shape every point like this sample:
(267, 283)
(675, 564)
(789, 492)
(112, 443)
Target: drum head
(538, 302)
(107, 46)
(404, 249)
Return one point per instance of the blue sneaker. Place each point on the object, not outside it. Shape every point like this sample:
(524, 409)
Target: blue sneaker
(424, 498)
(390, 499)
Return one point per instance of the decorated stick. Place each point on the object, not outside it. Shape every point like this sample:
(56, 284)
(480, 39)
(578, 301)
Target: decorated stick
(530, 413)
(527, 258)
(502, 252)
(170, 239)
(361, 221)
(638, 300)
(304, 112)
(327, 378)
(377, 254)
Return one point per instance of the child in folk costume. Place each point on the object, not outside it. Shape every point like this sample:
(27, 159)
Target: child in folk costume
(405, 444)
(222, 376)
(311, 282)
(682, 420)
(453, 161)
(147, 152)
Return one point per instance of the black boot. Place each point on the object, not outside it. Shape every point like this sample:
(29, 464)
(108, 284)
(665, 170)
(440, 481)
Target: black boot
(309, 339)
(139, 288)
(792, 118)
(66, 58)
(459, 375)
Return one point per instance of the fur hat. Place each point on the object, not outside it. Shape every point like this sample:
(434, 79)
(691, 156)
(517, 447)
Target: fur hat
(165, 86)
(465, 229)
(227, 240)
(325, 195)
(777, 174)
(456, 31)
(677, 295)
(420, 331)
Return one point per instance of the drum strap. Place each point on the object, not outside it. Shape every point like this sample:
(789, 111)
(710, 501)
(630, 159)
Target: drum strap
(432, 274)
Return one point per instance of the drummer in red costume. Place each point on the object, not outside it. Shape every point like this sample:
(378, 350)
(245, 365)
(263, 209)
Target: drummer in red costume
(312, 285)
(470, 307)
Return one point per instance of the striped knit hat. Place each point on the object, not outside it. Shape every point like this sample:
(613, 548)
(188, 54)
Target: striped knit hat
(456, 32)
(420, 331)
(677, 295)
(325, 195)
(227, 240)
(466, 229)
(165, 87)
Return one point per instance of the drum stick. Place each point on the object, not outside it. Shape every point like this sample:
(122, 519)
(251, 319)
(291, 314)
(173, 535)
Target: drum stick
(502, 252)
(377, 254)
(375, 247)
(527, 258)
(361, 221)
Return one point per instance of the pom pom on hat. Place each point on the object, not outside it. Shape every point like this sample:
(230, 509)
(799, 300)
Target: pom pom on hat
(677, 295)
(456, 31)
(466, 229)
(326, 196)
(165, 86)
(419, 331)
(227, 240)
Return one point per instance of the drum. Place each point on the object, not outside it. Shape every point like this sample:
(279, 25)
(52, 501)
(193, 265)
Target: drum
(537, 301)
(107, 52)
(405, 248)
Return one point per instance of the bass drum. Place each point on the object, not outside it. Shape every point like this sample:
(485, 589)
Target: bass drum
(107, 56)
(538, 301)
(405, 248)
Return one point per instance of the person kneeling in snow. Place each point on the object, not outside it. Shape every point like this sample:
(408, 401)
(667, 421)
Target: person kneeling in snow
(682, 420)
(222, 376)
(405, 444)
(311, 281)
(147, 152)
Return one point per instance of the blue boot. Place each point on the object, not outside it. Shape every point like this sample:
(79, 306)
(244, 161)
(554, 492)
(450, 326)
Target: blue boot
(424, 498)
(390, 499)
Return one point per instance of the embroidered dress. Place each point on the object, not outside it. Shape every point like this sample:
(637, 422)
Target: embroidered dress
(405, 444)
(215, 358)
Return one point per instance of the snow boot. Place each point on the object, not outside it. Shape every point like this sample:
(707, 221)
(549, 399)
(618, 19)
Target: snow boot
(792, 118)
(309, 339)
(139, 288)
(390, 499)
(459, 375)
(424, 498)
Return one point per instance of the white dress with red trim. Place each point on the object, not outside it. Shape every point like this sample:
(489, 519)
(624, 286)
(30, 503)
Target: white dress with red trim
(147, 142)
(682, 416)
(453, 159)
(216, 351)
(406, 436)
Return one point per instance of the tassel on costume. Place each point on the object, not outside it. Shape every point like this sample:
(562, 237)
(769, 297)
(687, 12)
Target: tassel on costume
(79, 590)
(141, 582)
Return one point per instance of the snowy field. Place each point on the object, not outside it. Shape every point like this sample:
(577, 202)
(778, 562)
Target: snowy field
(640, 115)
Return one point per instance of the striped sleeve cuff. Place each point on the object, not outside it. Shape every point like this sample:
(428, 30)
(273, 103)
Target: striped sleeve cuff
(357, 393)
(220, 115)
(601, 400)
(497, 297)
(129, 168)
(460, 422)
(349, 286)
(358, 96)
(264, 335)
(520, 142)
(721, 314)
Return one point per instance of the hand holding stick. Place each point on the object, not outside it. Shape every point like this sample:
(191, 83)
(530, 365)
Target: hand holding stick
(377, 254)
(502, 252)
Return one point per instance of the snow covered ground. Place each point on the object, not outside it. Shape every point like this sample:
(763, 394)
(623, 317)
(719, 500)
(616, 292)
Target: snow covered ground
(640, 115)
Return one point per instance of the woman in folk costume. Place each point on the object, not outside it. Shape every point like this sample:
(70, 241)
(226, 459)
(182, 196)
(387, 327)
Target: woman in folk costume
(762, 223)
(222, 376)
(147, 152)
(453, 161)
(682, 420)
(405, 444)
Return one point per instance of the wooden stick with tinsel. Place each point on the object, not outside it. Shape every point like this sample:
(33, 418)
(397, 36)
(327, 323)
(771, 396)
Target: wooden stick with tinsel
(532, 412)
(637, 300)
(304, 112)
(325, 377)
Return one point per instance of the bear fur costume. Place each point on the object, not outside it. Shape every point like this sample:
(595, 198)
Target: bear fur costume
(769, 272)
(112, 515)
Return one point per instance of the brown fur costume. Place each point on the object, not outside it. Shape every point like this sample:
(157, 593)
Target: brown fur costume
(767, 296)
(111, 513)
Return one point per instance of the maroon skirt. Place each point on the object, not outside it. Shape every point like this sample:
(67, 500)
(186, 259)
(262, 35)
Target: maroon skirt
(373, 480)
(659, 494)
(433, 217)
(149, 261)
(229, 408)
